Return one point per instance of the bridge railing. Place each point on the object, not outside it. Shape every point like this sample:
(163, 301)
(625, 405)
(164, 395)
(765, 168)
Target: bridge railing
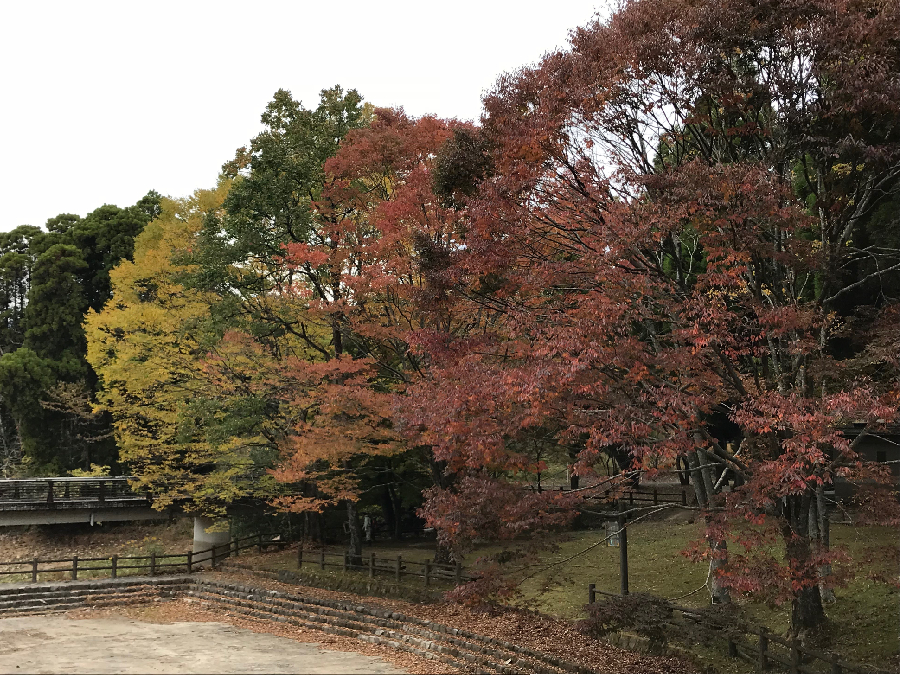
(53, 491)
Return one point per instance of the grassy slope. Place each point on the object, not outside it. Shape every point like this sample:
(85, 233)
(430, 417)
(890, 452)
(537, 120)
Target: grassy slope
(862, 626)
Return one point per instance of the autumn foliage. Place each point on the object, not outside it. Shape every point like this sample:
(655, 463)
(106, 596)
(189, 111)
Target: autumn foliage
(671, 242)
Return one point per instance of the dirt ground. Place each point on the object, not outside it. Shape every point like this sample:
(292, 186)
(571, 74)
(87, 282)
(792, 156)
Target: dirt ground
(119, 644)
(84, 540)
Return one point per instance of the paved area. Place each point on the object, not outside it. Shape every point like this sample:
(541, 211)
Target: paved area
(55, 644)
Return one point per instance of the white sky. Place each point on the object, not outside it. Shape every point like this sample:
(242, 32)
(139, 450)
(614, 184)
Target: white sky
(102, 101)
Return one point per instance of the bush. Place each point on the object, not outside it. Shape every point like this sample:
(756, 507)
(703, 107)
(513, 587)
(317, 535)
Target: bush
(644, 614)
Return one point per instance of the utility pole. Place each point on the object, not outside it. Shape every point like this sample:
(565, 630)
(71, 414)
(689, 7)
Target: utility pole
(623, 550)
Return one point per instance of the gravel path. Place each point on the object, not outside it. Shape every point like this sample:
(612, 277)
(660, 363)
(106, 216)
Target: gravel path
(119, 644)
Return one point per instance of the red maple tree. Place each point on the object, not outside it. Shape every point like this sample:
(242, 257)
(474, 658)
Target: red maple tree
(674, 232)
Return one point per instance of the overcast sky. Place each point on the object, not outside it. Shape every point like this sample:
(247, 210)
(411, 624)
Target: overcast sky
(102, 101)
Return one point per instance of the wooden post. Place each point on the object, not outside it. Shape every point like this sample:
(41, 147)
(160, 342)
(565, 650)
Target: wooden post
(300, 555)
(592, 593)
(34, 569)
(322, 557)
(683, 497)
(795, 657)
(237, 547)
(50, 492)
(114, 566)
(259, 542)
(74, 567)
(427, 573)
(372, 565)
(102, 492)
(623, 550)
(763, 650)
(732, 647)
(399, 563)
(190, 561)
(213, 556)
(153, 564)
(457, 573)
(346, 561)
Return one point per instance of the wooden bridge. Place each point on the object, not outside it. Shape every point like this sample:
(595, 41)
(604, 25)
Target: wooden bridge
(42, 501)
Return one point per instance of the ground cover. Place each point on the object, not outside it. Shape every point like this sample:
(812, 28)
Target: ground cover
(98, 541)
(862, 626)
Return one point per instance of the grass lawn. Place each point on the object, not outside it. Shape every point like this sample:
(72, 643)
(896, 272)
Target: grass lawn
(862, 626)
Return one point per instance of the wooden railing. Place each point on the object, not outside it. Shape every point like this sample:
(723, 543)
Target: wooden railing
(395, 567)
(152, 563)
(757, 646)
(65, 492)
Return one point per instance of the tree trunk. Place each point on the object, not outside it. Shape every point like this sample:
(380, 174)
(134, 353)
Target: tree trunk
(387, 510)
(806, 609)
(819, 529)
(701, 479)
(398, 513)
(443, 555)
(354, 549)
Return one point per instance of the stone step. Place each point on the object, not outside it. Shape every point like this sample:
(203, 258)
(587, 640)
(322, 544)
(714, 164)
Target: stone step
(82, 599)
(61, 605)
(211, 602)
(502, 650)
(504, 661)
(390, 628)
(48, 595)
(20, 589)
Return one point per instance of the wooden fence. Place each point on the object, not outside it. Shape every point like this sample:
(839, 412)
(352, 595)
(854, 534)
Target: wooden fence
(756, 645)
(395, 567)
(153, 563)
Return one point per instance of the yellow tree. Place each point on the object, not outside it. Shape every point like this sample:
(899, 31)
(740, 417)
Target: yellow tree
(146, 346)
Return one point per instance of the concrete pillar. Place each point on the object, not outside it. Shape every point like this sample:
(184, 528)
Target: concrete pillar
(203, 540)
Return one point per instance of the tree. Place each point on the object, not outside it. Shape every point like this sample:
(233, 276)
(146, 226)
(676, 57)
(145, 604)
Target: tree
(147, 346)
(663, 238)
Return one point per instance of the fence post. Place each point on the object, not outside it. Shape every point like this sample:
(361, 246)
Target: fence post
(101, 493)
(399, 559)
(372, 565)
(153, 564)
(49, 491)
(213, 556)
(795, 657)
(592, 593)
(346, 561)
(259, 542)
(427, 572)
(763, 649)
(114, 566)
(300, 555)
(190, 561)
(732, 647)
(683, 497)
(74, 567)
(322, 557)
(34, 570)
(457, 573)
(237, 547)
